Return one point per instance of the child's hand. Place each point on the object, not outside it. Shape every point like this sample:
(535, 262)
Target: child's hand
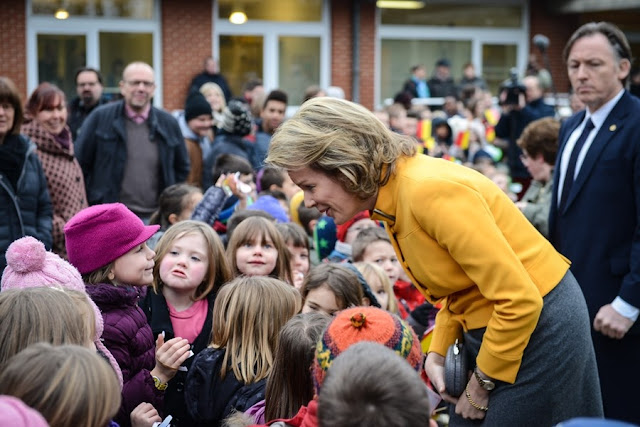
(169, 356)
(298, 279)
(144, 415)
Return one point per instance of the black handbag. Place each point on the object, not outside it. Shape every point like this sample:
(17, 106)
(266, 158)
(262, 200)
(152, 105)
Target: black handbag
(456, 372)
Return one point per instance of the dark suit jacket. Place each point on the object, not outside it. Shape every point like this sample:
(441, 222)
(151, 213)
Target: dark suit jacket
(599, 227)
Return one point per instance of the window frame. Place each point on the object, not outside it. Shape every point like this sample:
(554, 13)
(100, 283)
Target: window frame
(91, 27)
(270, 31)
(478, 36)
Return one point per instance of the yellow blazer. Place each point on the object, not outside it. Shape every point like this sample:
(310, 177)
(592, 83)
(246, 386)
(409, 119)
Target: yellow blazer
(465, 244)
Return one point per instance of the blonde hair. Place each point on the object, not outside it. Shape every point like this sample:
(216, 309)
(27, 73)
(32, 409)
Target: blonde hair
(369, 271)
(32, 315)
(209, 87)
(86, 309)
(257, 228)
(343, 140)
(247, 317)
(71, 386)
(218, 272)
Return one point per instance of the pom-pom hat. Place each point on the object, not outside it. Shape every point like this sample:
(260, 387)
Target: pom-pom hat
(100, 234)
(364, 324)
(30, 265)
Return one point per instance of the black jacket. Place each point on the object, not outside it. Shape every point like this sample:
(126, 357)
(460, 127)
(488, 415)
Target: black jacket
(102, 152)
(26, 208)
(78, 113)
(155, 307)
(210, 399)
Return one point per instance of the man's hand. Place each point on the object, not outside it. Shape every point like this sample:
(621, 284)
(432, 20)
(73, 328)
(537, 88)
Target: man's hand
(611, 323)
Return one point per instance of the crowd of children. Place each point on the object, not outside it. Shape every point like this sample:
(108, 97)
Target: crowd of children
(234, 306)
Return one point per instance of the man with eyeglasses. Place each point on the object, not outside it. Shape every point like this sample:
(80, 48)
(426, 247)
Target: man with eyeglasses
(89, 88)
(129, 150)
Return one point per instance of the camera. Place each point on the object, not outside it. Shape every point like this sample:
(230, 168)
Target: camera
(513, 88)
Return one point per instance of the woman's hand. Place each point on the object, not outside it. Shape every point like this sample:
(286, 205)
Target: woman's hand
(169, 356)
(479, 396)
(144, 415)
(434, 367)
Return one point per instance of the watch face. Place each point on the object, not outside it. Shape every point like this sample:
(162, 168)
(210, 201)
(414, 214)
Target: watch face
(489, 385)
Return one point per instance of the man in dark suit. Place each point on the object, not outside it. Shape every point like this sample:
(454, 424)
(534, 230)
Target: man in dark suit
(595, 212)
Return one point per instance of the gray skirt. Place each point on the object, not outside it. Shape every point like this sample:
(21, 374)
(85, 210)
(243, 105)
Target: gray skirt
(558, 377)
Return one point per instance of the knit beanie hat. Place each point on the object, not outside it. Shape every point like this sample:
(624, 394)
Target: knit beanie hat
(196, 105)
(364, 324)
(237, 118)
(15, 413)
(100, 234)
(272, 206)
(343, 228)
(30, 265)
(294, 204)
(324, 236)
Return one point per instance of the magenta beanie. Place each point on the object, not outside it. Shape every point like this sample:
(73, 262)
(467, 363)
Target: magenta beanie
(15, 413)
(100, 234)
(30, 265)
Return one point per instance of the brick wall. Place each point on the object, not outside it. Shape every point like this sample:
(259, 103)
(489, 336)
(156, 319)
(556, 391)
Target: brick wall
(13, 54)
(342, 49)
(341, 46)
(367, 53)
(186, 41)
(558, 28)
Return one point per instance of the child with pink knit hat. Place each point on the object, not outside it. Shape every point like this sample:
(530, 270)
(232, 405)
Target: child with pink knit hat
(30, 265)
(107, 244)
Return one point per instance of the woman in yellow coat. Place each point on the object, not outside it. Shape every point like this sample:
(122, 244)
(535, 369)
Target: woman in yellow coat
(503, 287)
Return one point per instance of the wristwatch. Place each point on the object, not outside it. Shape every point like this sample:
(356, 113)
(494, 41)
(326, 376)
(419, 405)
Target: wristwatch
(485, 384)
(157, 382)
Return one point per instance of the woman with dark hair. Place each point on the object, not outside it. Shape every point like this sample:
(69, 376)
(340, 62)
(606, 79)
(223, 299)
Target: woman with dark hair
(46, 125)
(25, 207)
(465, 245)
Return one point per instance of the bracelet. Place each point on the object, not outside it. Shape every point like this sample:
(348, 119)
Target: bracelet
(157, 382)
(474, 404)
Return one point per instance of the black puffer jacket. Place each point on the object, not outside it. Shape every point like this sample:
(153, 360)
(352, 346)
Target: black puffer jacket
(209, 398)
(25, 207)
(102, 151)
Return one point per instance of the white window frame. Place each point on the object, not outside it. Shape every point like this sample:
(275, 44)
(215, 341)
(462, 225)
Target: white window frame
(91, 27)
(270, 31)
(478, 36)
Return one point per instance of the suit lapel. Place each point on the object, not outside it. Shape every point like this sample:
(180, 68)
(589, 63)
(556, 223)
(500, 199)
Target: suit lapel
(611, 126)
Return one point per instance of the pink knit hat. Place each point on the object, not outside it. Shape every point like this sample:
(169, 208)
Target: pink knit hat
(100, 234)
(15, 413)
(29, 265)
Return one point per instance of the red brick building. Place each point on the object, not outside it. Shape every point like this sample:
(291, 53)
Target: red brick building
(288, 43)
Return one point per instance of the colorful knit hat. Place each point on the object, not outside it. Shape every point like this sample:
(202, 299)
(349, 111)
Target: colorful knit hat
(29, 265)
(324, 236)
(343, 228)
(100, 234)
(15, 413)
(364, 324)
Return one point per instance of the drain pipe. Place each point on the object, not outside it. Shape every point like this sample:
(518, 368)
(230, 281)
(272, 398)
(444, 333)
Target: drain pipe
(355, 68)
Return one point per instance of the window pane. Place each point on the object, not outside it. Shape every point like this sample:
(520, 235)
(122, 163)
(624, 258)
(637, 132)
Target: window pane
(497, 60)
(119, 49)
(240, 60)
(273, 10)
(299, 61)
(58, 58)
(397, 56)
(139, 9)
(456, 15)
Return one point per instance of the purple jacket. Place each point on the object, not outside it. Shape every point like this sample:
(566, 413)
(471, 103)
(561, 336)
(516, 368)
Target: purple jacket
(128, 337)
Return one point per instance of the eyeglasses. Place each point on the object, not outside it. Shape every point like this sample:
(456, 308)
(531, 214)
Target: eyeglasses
(136, 83)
